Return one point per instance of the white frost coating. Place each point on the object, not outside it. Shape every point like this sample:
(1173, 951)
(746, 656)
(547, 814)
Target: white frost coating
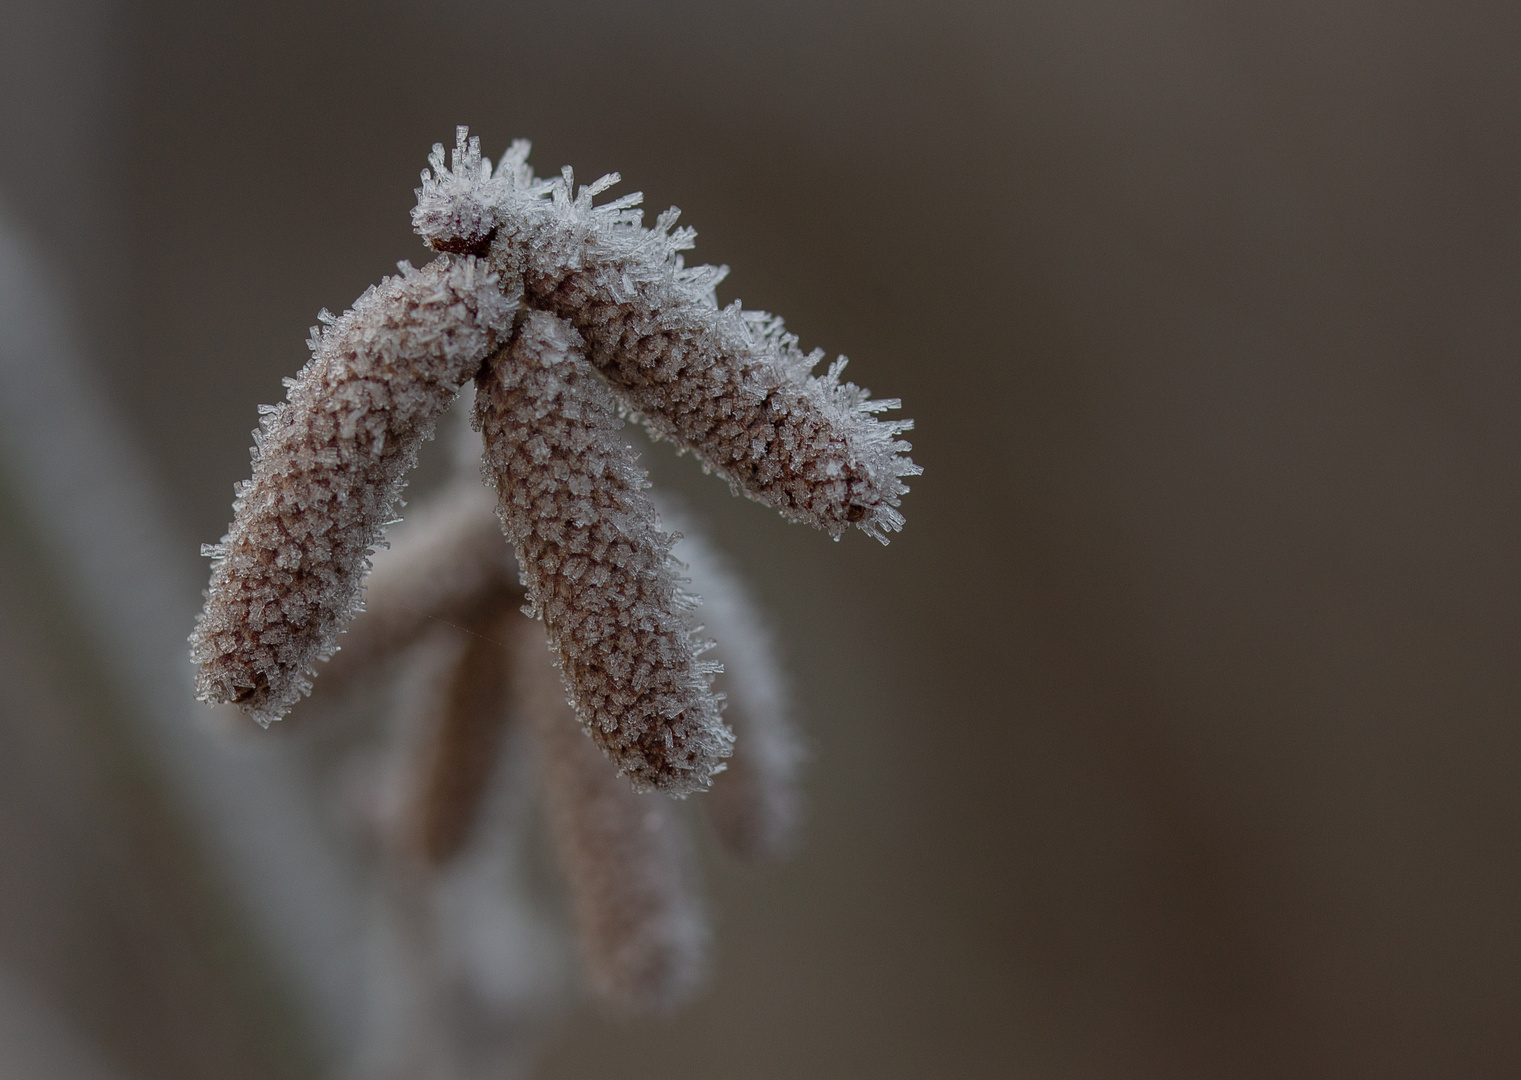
(329, 465)
(755, 807)
(90, 498)
(731, 385)
(595, 561)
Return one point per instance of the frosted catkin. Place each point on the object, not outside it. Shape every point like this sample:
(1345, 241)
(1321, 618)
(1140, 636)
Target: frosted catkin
(755, 806)
(730, 385)
(623, 854)
(595, 562)
(447, 563)
(328, 468)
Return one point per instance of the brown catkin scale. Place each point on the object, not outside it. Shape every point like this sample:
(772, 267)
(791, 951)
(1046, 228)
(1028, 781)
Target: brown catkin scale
(595, 562)
(328, 468)
(623, 854)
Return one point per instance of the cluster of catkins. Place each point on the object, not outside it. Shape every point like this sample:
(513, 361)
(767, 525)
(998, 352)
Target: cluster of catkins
(623, 855)
(568, 316)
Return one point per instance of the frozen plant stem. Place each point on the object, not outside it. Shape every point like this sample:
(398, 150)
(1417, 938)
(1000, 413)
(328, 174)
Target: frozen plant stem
(609, 308)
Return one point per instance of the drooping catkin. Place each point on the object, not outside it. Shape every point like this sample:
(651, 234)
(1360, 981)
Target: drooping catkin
(595, 562)
(731, 385)
(755, 806)
(448, 563)
(623, 854)
(328, 467)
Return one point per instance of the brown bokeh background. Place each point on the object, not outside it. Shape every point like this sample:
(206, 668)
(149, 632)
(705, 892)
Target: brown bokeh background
(1177, 735)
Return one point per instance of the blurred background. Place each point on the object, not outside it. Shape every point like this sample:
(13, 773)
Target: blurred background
(1176, 736)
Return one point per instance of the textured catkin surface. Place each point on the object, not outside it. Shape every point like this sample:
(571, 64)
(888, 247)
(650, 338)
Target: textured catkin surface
(595, 561)
(623, 854)
(328, 467)
(775, 436)
(731, 385)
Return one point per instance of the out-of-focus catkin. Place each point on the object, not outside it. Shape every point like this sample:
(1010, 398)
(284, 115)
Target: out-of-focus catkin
(446, 564)
(755, 806)
(623, 854)
(463, 738)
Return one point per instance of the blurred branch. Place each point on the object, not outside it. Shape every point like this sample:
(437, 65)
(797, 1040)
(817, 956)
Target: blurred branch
(91, 500)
